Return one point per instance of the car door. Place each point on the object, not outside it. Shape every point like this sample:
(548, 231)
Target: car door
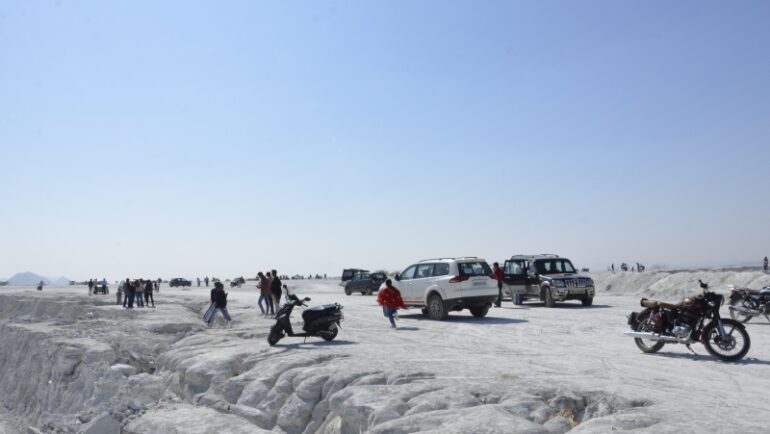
(404, 284)
(515, 276)
(423, 275)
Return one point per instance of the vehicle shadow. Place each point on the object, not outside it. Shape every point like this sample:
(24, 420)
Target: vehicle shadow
(464, 319)
(573, 306)
(309, 344)
(710, 358)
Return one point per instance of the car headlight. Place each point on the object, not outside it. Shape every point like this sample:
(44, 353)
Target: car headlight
(558, 284)
(589, 282)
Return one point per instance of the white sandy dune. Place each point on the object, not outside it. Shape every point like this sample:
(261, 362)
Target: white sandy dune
(74, 363)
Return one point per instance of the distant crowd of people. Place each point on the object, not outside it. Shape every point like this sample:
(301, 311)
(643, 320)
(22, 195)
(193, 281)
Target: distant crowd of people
(97, 287)
(139, 291)
(624, 267)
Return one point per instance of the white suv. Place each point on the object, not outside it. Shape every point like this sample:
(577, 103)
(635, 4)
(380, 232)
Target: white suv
(444, 284)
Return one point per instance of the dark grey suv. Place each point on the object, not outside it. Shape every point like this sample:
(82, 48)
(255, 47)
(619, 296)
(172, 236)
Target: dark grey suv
(365, 282)
(548, 278)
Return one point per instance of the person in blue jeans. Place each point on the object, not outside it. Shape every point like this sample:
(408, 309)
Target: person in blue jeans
(219, 300)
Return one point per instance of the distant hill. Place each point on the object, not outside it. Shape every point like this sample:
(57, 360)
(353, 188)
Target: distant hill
(29, 278)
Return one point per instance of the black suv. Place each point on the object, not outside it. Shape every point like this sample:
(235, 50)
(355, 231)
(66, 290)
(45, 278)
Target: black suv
(178, 281)
(547, 278)
(348, 273)
(365, 282)
(238, 281)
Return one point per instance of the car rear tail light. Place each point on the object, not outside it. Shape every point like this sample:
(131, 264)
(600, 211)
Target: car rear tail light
(458, 279)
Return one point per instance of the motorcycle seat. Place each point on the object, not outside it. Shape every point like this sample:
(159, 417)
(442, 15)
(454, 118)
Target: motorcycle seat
(652, 304)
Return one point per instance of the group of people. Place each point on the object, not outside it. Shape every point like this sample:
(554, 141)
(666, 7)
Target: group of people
(139, 291)
(624, 267)
(96, 287)
(270, 291)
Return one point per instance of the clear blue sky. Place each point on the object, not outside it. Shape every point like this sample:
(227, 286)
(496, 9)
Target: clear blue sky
(143, 138)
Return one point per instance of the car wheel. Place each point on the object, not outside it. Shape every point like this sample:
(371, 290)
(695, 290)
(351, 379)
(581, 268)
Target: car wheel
(347, 291)
(437, 308)
(548, 298)
(369, 291)
(479, 312)
(425, 311)
(587, 301)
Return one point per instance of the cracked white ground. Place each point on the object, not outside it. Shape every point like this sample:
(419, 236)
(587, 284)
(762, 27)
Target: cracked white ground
(71, 362)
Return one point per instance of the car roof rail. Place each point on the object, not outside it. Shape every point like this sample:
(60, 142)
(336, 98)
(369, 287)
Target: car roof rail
(436, 259)
(548, 255)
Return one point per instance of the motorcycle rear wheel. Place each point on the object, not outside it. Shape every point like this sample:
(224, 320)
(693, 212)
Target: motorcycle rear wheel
(276, 333)
(731, 349)
(643, 325)
(740, 316)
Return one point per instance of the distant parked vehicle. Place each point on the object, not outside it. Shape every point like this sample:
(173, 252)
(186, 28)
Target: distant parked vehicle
(178, 281)
(448, 284)
(365, 282)
(548, 278)
(348, 273)
(238, 281)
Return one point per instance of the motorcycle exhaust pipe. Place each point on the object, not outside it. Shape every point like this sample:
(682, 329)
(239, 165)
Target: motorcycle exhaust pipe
(651, 336)
(746, 310)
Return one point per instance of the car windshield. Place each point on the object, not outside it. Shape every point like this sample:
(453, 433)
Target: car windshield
(554, 266)
(471, 269)
(362, 276)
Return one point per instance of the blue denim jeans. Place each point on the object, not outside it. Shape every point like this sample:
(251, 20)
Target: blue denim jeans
(214, 314)
(389, 312)
(268, 303)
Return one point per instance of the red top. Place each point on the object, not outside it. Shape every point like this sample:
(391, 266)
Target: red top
(499, 274)
(391, 297)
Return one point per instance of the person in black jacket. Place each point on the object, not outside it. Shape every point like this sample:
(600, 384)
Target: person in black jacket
(275, 289)
(148, 286)
(219, 300)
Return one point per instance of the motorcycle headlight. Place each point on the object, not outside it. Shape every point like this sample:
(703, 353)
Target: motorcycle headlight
(558, 284)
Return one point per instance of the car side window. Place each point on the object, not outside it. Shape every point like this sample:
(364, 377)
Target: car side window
(408, 273)
(424, 270)
(514, 267)
(440, 269)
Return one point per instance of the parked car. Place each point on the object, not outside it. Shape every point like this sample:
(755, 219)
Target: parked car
(439, 286)
(178, 281)
(548, 278)
(365, 282)
(238, 281)
(348, 273)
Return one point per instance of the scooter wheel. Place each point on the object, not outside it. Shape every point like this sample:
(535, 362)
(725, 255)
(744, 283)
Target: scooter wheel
(276, 333)
(331, 334)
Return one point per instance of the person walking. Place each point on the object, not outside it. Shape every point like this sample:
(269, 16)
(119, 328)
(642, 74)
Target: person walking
(390, 299)
(104, 286)
(275, 289)
(199, 281)
(219, 300)
(148, 287)
(90, 286)
(206, 280)
(499, 275)
(264, 295)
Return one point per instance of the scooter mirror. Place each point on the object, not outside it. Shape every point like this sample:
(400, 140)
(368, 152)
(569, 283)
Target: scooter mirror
(307, 298)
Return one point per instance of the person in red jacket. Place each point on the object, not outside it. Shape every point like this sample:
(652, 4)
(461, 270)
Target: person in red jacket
(499, 275)
(390, 299)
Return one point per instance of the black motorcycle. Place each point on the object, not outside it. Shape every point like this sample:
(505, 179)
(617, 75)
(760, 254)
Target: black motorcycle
(694, 319)
(747, 303)
(322, 321)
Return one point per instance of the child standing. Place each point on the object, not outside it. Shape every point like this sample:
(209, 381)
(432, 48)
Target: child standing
(390, 299)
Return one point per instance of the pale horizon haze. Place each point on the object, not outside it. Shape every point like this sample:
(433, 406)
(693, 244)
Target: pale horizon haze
(194, 138)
